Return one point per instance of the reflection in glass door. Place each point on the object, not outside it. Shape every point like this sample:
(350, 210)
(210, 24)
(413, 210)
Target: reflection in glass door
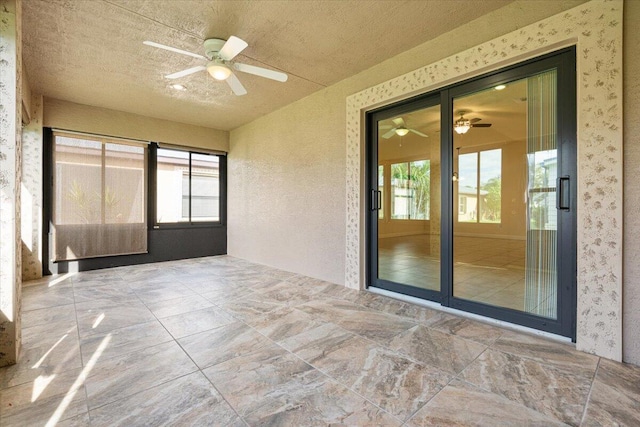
(505, 160)
(408, 199)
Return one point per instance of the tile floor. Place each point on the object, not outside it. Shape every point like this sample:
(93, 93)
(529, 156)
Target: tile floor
(220, 341)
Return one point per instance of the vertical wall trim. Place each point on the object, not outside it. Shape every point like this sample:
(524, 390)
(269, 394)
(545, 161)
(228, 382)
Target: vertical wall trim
(596, 29)
(10, 178)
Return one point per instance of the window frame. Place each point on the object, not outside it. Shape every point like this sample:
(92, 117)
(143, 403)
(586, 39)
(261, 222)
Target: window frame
(153, 193)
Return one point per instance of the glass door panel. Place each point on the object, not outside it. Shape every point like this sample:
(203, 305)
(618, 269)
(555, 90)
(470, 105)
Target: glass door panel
(505, 221)
(408, 199)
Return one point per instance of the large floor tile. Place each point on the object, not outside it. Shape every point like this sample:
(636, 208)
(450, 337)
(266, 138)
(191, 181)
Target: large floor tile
(37, 297)
(286, 391)
(395, 383)
(545, 388)
(284, 323)
(466, 328)
(615, 396)
(223, 343)
(47, 398)
(125, 340)
(117, 292)
(462, 404)
(249, 308)
(188, 400)
(174, 306)
(44, 316)
(118, 377)
(100, 316)
(447, 352)
(562, 355)
(193, 322)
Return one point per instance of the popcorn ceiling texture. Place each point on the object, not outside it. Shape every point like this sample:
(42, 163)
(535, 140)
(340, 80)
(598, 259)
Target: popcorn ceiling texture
(596, 29)
(10, 173)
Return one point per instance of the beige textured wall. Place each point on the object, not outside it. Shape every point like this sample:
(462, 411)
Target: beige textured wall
(84, 118)
(31, 189)
(631, 289)
(287, 169)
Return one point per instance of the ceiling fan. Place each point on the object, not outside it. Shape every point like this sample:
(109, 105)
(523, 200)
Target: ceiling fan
(463, 125)
(401, 129)
(220, 53)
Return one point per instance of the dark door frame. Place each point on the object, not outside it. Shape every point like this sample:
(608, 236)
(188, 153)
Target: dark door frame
(565, 62)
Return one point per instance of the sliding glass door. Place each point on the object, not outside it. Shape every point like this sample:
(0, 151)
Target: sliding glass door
(480, 216)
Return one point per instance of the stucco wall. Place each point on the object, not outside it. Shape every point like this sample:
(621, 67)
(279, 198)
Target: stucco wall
(31, 191)
(10, 175)
(631, 290)
(287, 169)
(102, 121)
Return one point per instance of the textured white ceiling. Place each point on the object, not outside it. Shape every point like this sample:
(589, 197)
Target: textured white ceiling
(91, 51)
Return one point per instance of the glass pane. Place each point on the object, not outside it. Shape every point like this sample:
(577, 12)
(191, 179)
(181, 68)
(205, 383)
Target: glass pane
(409, 238)
(505, 233)
(124, 190)
(99, 199)
(420, 176)
(490, 194)
(205, 188)
(468, 187)
(400, 191)
(172, 168)
(77, 181)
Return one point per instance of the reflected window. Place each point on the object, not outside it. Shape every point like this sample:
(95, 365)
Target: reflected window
(480, 186)
(410, 190)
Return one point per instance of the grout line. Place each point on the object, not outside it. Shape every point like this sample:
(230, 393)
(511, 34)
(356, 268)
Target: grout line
(586, 403)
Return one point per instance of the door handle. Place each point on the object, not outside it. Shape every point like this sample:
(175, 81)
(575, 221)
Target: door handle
(376, 200)
(563, 195)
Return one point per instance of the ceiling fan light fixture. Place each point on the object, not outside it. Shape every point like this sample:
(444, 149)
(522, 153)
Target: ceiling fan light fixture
(402, 131)
(218, 70)
(462, 126)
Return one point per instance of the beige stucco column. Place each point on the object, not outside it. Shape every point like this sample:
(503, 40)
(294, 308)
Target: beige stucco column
(10, 176)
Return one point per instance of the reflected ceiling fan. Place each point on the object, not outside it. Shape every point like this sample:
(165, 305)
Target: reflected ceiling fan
(462, 125)
(220, 53)
(401, 129)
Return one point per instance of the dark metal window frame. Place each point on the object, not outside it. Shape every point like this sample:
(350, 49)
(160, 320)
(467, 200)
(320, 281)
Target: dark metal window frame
(565, 61)
(153, 168)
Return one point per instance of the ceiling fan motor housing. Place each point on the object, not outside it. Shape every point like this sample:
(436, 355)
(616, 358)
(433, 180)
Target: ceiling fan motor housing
(212, 47)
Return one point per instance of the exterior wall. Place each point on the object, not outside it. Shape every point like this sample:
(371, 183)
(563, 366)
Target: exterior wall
(596, 29)
(631, 290)
(31, 192)
(287, 169)
(10, 175)
(84, 118)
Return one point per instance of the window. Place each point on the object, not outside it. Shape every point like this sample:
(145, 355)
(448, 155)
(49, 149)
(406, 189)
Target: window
(99, 198)
(479, 186)
(410, 190)
(187, 187)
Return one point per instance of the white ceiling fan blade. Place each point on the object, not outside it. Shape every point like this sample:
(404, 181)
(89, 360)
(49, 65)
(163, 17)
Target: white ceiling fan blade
(235, 85)
(390, 133)
(262, 72)
(173, 49)
(418, 133)
(232, 47)
(399, 121)
(185, 72)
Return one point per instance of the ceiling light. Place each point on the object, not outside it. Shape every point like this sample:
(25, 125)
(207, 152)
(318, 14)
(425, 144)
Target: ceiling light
(218, 69)
(462, 125)
(500, 87)
(178, 87)
(402, 131)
